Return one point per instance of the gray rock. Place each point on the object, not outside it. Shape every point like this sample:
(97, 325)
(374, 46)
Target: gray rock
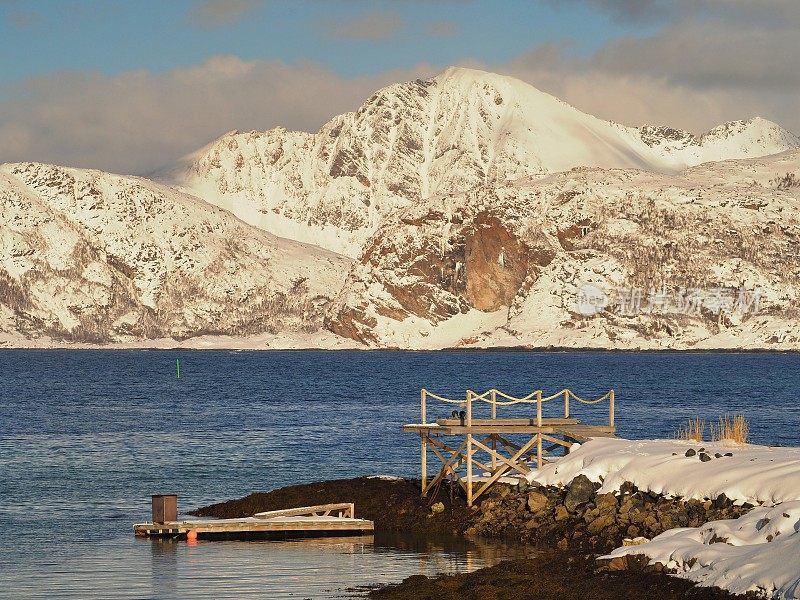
(721, 501)
(690, 452)
(606, 501)
(628, 562)
(704, 457)
(581, 491)
(600, 523)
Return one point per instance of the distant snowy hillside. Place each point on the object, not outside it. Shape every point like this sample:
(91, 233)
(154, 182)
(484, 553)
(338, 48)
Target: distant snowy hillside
(676, 261)
(93, 257)
(447, 135)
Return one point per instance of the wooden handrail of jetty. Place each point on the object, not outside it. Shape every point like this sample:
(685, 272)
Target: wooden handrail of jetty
(489, 436)
(344, 510)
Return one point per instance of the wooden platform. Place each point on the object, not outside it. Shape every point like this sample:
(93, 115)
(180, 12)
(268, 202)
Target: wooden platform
(575, 431)
(327, 520)
(486, 443)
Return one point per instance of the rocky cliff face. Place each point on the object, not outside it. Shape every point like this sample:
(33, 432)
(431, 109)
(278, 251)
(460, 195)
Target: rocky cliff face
(708, 258)
(468, 209)
(92, 257)
(446, 135)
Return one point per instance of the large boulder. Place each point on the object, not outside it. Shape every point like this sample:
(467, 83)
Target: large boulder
(536, 502)
(581, 491)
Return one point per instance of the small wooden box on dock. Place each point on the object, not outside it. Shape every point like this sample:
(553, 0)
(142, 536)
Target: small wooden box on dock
(326, 520)
(165, 508)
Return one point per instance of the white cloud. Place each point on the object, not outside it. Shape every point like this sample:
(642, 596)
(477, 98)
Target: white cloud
(216, 13)
(373, 26)
(138, 121)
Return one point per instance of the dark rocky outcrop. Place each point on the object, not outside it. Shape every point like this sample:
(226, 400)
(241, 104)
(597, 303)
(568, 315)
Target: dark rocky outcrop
(578, 517)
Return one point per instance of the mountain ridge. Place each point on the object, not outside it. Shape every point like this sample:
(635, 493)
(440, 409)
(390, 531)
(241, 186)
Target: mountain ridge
(92, 256)
(449, 133)
(466, 210)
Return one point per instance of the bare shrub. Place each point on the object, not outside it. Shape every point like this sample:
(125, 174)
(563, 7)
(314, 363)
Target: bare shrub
(789, 180)
(693, 430)
(734, 428)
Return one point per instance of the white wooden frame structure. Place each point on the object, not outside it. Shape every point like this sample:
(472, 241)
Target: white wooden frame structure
(488, 438)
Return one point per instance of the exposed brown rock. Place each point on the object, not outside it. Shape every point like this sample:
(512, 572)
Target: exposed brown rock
(496, 264)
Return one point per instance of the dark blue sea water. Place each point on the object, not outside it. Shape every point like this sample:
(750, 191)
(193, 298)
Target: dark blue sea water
(86, 437)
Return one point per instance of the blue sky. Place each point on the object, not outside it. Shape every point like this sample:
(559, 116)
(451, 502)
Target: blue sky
(130, 86)
(45, 36)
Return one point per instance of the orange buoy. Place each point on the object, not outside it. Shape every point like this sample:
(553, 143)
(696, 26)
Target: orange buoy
(191, 535)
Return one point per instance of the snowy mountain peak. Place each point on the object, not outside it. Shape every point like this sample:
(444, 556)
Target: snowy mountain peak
(408, 141)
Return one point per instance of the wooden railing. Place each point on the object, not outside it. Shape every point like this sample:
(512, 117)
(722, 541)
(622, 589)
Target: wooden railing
(343, 510)
(490, 397)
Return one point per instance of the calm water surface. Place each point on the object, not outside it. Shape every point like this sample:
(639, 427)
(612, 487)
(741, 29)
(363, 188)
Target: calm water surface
(86, 437)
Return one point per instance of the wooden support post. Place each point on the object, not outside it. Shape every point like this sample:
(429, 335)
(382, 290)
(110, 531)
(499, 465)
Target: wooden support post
(449, 465)
(494, 441)
(538, 408)
(469, 448)
(423, 438)
(566, 404)
(611, 408)
(539, 458)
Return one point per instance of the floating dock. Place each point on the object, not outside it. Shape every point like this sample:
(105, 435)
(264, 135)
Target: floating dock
(327, 520)
(500, 458)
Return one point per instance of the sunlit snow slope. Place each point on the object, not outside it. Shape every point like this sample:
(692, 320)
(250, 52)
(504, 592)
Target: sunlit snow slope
(93, 257)
(448, 134)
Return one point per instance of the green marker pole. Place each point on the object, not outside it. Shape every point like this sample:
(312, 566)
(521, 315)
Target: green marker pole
(178, 367)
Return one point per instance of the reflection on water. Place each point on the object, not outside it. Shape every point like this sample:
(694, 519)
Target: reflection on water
(318, 568)
(86, 437)
(325, 568)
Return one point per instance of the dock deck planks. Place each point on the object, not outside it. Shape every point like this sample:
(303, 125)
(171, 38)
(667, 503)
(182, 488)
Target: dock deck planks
(305, 522)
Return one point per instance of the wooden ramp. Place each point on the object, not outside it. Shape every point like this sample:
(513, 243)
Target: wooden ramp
(327, 520)
(486, 445)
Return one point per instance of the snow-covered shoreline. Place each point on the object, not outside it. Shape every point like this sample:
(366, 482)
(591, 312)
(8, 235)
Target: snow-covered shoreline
(758, 552)
(325, 340)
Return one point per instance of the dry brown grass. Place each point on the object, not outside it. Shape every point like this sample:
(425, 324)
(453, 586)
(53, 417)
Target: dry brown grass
(733, 428)
(693, 430)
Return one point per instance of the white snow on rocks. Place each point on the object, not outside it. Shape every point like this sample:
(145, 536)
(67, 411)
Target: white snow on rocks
(755, 474)
(475, 204)
(758, 552)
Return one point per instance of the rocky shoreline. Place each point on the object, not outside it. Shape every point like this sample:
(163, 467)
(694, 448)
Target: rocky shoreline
(570, 526)
(577, 517)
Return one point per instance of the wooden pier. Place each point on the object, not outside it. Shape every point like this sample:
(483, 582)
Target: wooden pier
(485, 444)
(325, 520)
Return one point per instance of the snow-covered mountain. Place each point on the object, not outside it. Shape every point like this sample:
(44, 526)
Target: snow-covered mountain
(479, 212)
(709, 258)
(446, 135)
(92, 257)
